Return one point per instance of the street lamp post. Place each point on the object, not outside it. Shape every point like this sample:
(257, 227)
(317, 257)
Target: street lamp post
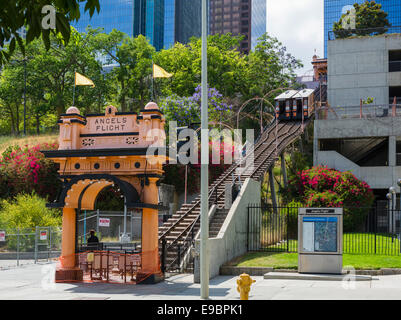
(389, 197)
(204, 258)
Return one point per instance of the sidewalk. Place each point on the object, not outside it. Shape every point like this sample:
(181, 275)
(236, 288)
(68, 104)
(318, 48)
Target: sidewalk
(32, 282)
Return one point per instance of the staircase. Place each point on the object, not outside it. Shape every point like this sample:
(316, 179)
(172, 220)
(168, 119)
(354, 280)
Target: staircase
(217, 222)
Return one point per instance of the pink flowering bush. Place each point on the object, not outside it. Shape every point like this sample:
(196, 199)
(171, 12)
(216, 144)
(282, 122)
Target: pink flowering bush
(324, 187)
(24, 170)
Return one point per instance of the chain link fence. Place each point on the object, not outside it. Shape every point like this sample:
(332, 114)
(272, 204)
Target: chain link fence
(109, 225)
(28, 246)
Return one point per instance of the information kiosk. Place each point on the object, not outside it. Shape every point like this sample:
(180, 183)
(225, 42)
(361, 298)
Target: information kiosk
(320, 240)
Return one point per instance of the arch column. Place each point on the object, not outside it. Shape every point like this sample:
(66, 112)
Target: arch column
(150, 238)
(68, 270)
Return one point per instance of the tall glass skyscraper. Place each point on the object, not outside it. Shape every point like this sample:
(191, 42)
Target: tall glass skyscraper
(114, 14)
(333, 9)
(148, 20)
(182, 20)
(188, 20)
(169, 23)
(163, 22)
(259, 20)
(239, 17)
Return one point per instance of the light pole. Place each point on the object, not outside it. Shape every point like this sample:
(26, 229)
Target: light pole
(389, 197)
(204, 258)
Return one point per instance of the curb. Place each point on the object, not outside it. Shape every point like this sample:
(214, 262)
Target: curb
(260, 271)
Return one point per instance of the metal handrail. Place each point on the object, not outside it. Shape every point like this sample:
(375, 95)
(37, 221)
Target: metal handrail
(367, 110)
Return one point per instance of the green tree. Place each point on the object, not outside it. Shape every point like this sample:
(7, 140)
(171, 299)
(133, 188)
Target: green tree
(11, 92)
(270, 67)
(368, 15)
(50, 80)
(16, 14)
(226, 66)
(133, 72)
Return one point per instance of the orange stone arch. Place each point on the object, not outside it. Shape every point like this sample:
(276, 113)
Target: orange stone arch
(99, 150)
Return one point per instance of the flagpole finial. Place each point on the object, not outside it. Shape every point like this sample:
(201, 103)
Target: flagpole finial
(73, 110)
(152, 106)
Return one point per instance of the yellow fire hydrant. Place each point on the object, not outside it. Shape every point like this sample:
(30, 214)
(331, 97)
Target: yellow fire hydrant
(244, 285)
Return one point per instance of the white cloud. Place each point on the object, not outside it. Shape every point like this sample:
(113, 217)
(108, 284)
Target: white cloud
(298, 24)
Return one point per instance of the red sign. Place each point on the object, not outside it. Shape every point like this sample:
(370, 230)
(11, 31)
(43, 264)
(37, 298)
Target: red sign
(104, 222)
(2, 236)
(43, 235)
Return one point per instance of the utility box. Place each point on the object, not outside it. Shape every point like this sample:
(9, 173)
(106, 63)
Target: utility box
(320, 240)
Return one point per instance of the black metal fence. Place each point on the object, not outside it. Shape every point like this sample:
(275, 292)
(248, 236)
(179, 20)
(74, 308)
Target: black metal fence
(177, 257)
(374, 230)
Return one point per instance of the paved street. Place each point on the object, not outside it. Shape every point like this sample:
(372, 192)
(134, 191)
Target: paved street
(32, 282)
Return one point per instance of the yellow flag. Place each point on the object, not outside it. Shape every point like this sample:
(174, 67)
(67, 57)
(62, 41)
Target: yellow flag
(81, 80)
(159, 72)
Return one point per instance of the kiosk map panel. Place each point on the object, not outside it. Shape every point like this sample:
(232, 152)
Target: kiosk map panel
(319, 234)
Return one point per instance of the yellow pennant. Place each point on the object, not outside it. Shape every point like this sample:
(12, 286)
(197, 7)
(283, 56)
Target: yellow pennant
(81, 80)
(159, 72)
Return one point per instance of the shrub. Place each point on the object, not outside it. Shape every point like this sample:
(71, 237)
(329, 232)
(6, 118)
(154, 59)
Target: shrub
(324, 187)
(27, 211)
(26, 170)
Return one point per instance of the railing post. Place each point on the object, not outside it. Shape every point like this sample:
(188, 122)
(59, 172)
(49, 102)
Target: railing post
(163, 263)
(247, 230)
(179, 255)
(394, 108)
(288, 220)
(36, 244)
(375, 226)
(48, 249)
(18, 232)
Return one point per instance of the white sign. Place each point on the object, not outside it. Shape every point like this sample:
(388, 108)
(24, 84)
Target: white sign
(2, 236)
(308, 236)
(125, 238)
(43, 235)
(104, 222)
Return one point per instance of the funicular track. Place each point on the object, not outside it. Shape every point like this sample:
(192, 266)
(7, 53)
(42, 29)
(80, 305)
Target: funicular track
(178, 234)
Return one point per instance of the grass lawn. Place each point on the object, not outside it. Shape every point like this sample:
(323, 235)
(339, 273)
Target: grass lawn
(285, 260)
(6, 141)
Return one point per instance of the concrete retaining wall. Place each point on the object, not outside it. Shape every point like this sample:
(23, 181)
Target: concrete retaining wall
(260, 271)
(231, 241)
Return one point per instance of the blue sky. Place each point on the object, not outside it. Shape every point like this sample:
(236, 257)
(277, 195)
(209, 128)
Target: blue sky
(298, 24)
